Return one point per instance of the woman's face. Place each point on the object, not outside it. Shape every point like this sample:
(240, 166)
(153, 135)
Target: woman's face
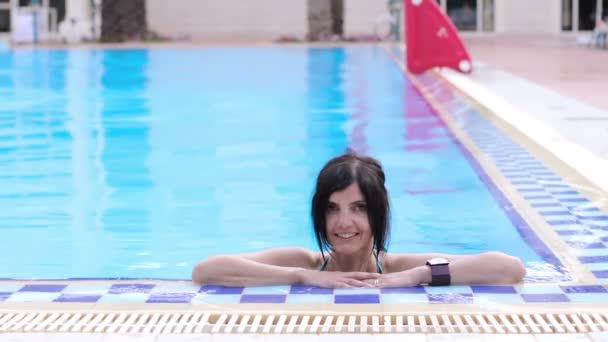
(348, 228)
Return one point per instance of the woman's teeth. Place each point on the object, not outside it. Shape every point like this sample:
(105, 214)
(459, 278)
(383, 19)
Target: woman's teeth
(346, 235)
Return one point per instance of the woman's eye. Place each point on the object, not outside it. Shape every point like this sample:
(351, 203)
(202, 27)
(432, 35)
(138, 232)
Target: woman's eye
(361, 207)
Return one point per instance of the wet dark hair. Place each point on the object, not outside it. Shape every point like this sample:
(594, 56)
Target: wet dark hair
(339, 173)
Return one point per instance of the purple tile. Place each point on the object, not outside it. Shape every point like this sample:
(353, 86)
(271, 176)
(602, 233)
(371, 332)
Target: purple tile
(541, 173)
(77, 298)
(587, 209)
(574, 232)
(553, 185)
(554, 212)
(220, 290)
(523, 182)
(492, 289)
(451, 298)
(545, 298)
(547, 205)
(596, 218)
(4, 296)
(537, 197)
(584, 289)
(408, 289)
(260, 298)
(586, 245)
(130, 288)
(42, 288)
(357, 299)
(300, 289)
(564, 192)
(574, 200)
(601, 274)
(562, 222)
(171, 298)
(593, 259)
(531, 190)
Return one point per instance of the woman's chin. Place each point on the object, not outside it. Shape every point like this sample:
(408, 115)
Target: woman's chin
(344, 249)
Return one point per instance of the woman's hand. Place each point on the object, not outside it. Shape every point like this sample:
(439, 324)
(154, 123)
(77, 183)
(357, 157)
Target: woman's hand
(338, 279)
(411, 277)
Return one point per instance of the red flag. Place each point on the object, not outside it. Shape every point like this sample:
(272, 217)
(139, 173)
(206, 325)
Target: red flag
(432, 39)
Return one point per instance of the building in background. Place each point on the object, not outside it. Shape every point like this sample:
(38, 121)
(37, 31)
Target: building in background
(529, 16)
(271, 19)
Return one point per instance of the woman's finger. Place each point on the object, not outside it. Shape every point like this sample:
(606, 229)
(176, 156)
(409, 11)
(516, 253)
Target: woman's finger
(363, 275)
(357, 283)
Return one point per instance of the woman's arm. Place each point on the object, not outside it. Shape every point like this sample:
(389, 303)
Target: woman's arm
(278, 266)
(268, 267)
(484, 268)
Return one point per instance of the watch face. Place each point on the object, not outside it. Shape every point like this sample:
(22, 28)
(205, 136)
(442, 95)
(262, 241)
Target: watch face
(438, 261)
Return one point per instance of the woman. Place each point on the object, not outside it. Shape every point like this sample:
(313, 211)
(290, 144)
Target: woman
(350, 212)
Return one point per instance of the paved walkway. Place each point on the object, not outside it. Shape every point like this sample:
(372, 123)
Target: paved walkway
(548, 87)
(554, 61)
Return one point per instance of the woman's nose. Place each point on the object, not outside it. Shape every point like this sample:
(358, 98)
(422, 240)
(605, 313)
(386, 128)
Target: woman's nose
(345, 218)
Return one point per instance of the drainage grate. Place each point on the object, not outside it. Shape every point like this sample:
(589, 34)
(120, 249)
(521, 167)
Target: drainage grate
(204, 322)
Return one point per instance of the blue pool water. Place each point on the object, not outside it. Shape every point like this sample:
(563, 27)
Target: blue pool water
(137, 163)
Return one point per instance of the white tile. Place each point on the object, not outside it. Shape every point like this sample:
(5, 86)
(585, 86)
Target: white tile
(591, 252)
(561, 337)
(175, 288)
(202, 298)
(187, 338)
(125, 298)
(399, 338)
(538, 289)
(404, 298)
(117, 338)
(448, 289)
(77, 337)
(10, 287)
(291, 338)
(508, 338)
(20, 297)
(454, 337)
(356, 291)
(600, 336)
(588, 297)
(19, 337)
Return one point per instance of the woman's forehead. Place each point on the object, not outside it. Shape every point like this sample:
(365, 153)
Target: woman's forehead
(350, 193)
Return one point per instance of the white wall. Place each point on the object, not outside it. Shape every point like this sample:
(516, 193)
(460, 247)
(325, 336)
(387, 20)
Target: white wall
(538, 16)
(250, 19)
(228, 19)
(360, 15)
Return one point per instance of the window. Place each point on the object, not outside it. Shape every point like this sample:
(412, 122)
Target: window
(5, 20)
(463, 14)
(567, 15)
(488, 15)
(586, 14)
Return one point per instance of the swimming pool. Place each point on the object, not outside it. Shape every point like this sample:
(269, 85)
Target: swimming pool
(137, 163)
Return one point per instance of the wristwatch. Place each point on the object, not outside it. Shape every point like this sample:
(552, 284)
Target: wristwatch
(440, 271)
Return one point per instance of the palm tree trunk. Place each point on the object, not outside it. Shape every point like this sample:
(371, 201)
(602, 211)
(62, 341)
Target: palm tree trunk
(319, 20)
(123, 20)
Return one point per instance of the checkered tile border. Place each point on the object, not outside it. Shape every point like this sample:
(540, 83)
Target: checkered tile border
(187, 293)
